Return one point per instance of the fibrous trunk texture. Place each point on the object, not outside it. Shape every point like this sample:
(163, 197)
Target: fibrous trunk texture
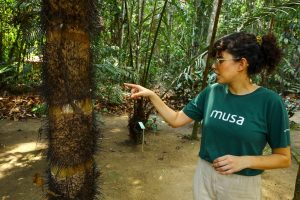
(67, 73)
(137, 115)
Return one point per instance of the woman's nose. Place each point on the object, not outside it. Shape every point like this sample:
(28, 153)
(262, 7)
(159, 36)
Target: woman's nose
(213, 66)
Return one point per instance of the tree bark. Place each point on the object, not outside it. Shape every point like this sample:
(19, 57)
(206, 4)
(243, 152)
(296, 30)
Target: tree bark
(153, 45)
(122, 33)
(151, 29)
(117, 23)
(140, 18)
(14, 47)
(197, 27)
(129, 34)
(212, 30)
(67, 67)
(297, 186)
(1, 48)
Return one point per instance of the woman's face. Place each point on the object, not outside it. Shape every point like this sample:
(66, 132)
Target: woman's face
(226, 67)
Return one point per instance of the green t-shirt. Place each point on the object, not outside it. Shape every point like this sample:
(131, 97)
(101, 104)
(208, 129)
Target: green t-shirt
(239, 124)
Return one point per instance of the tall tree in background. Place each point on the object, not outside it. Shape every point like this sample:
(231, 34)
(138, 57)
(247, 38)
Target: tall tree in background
(139, 113)
(67, 69)
(297, 186)
(212, 30)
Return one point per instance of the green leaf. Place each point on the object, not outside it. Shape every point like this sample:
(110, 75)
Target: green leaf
(5, 69)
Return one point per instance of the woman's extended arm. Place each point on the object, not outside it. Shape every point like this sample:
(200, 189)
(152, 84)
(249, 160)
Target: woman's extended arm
(173, 118)
(228, 164)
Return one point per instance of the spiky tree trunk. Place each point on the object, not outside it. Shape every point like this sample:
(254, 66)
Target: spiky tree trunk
(138, 115)
(67, 69)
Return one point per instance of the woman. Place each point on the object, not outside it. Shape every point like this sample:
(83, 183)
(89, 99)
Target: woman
(238, 119)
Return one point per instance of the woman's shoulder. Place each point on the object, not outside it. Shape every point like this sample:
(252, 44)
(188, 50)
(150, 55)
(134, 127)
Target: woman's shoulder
(269, 94)
(216, 86)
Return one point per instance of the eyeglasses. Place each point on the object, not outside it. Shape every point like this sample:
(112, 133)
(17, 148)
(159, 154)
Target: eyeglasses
(218, 61)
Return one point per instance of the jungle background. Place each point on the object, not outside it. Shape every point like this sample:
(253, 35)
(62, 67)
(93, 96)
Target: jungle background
(159, 44)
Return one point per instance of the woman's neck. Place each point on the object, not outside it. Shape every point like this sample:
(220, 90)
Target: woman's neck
(242, 87)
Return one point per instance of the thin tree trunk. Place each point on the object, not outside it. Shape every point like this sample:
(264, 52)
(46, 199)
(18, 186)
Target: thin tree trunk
(167, 57)
(2, 31)
(195, 46)
(121, 39)
(297, 186)
(122, 24)
(19, 59)
(140, 17)
(129, 34)
(67, 67)
(198, 26)
(212, 30)
(139, 114)
(1, 48)
(14, 47)
(148, 40)
(116, 25)
(154, 42)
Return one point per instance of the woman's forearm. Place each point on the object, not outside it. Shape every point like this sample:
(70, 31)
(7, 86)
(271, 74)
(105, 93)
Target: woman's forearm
(272, 161)
(228, 164)
(173, 118)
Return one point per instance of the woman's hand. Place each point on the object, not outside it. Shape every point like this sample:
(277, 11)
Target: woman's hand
(172, 117)
(138, 91)
(230, 164)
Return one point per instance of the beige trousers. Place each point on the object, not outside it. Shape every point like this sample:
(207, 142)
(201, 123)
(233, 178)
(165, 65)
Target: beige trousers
(210, 185)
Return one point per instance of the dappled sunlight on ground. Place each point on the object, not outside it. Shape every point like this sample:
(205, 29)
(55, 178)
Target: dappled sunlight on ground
(27, 147)
(115, 130)
(22, 155)
(163, 171)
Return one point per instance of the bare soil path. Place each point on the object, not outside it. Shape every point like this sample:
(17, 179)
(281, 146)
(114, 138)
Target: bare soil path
(164, 171)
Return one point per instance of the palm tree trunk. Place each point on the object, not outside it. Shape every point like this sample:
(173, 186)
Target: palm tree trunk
(67, 67)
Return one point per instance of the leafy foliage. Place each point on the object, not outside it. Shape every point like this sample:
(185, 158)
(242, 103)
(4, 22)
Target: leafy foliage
(281, 18)
(128, 35)
(292, 105)
(20, 40)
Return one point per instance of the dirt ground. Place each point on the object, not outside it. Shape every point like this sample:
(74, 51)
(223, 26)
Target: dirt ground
(163, 171)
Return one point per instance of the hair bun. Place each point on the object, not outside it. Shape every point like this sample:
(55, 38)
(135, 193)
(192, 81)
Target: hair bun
(259, 40)
(271, 51)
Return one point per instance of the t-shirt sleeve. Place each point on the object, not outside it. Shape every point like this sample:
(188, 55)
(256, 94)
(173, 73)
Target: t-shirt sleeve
(195, 108)
(278, 124)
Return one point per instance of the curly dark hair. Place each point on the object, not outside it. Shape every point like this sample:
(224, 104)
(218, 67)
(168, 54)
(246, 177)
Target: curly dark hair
(264, 54)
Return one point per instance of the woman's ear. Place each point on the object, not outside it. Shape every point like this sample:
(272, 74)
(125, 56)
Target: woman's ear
(243, 64)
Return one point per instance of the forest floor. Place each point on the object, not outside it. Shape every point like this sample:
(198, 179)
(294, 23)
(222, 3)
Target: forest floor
(163, 171)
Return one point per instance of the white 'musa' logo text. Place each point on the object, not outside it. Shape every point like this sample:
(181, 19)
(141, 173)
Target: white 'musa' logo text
(227, 117)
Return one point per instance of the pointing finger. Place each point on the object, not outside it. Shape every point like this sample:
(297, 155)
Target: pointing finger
(130, 85)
